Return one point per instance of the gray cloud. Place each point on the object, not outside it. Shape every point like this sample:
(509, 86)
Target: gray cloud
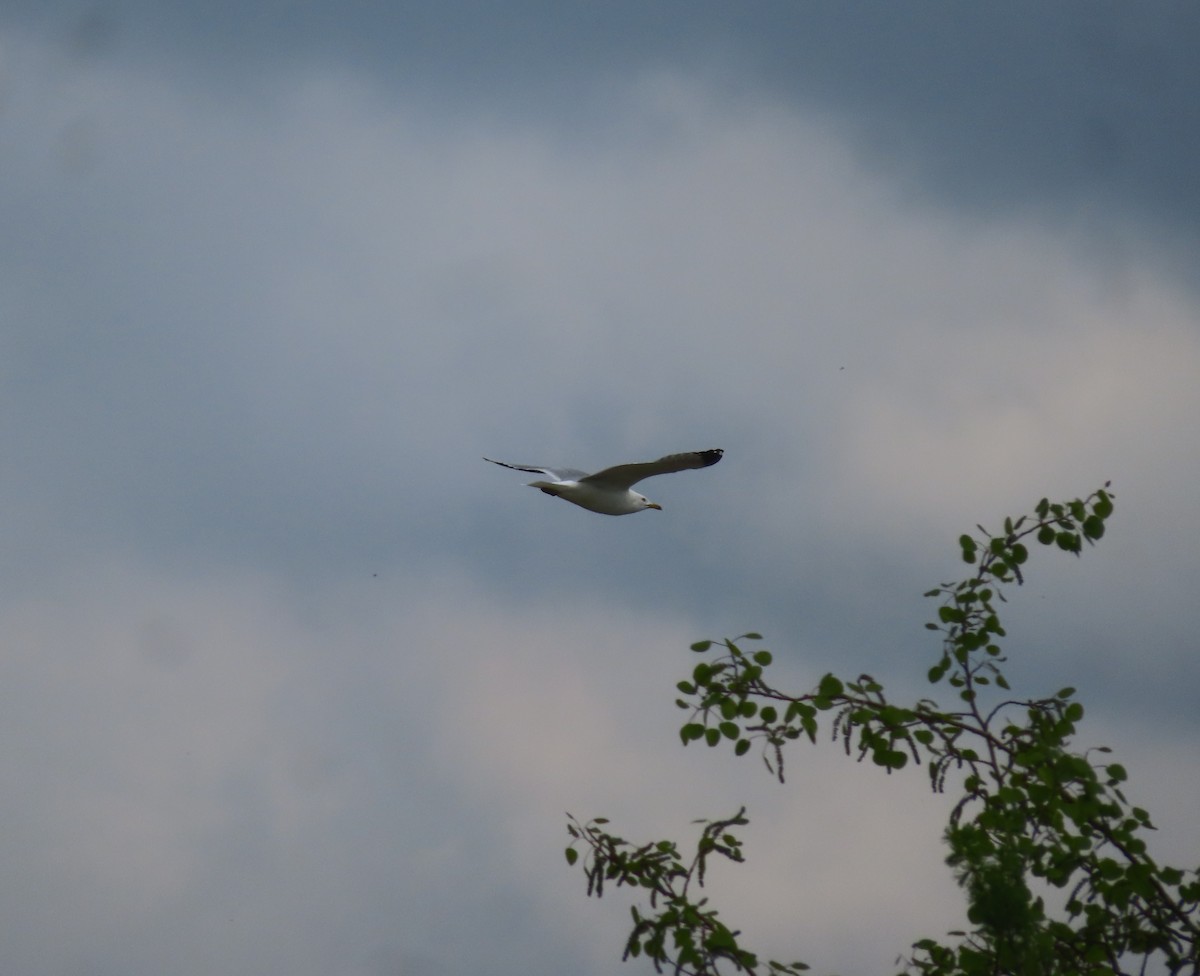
(302, 685)
(1083, 112)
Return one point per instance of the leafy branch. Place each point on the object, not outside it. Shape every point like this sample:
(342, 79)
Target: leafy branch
(1030, 808)
(685, 934)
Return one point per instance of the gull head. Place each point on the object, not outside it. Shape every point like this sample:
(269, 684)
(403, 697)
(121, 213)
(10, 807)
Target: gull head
(645, 502)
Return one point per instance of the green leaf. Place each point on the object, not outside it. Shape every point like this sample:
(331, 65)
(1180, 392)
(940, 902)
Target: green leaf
(1093, 527)
(830, 686)
(968, 548)
(769, 715)
(1067, 541)
(730, 730)
(712, 736)
(742, 747)
(572, 855)
(720, 939)
(798, 709)
(762, 657)
(702, 646)
(1045, 536)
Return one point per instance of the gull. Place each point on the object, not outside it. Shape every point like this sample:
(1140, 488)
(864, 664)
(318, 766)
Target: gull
(608, 491)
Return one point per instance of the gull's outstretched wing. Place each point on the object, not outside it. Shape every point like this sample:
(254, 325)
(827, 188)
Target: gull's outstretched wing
(626, 475)
(554, 474)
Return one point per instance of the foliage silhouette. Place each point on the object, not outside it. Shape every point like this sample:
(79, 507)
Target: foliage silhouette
(1031, 806)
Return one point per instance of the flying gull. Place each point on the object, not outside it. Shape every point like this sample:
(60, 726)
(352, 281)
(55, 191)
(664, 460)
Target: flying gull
(608, 491)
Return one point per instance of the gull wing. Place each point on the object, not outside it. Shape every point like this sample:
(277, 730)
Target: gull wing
(554, 474)
(626, 475)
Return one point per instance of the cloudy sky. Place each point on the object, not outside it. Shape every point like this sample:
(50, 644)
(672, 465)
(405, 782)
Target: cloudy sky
(294, 683)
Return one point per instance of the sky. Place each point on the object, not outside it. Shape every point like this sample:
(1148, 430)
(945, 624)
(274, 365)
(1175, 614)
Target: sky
(295, 683)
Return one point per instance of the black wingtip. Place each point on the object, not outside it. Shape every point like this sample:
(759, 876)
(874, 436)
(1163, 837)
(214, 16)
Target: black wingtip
(711, 457)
